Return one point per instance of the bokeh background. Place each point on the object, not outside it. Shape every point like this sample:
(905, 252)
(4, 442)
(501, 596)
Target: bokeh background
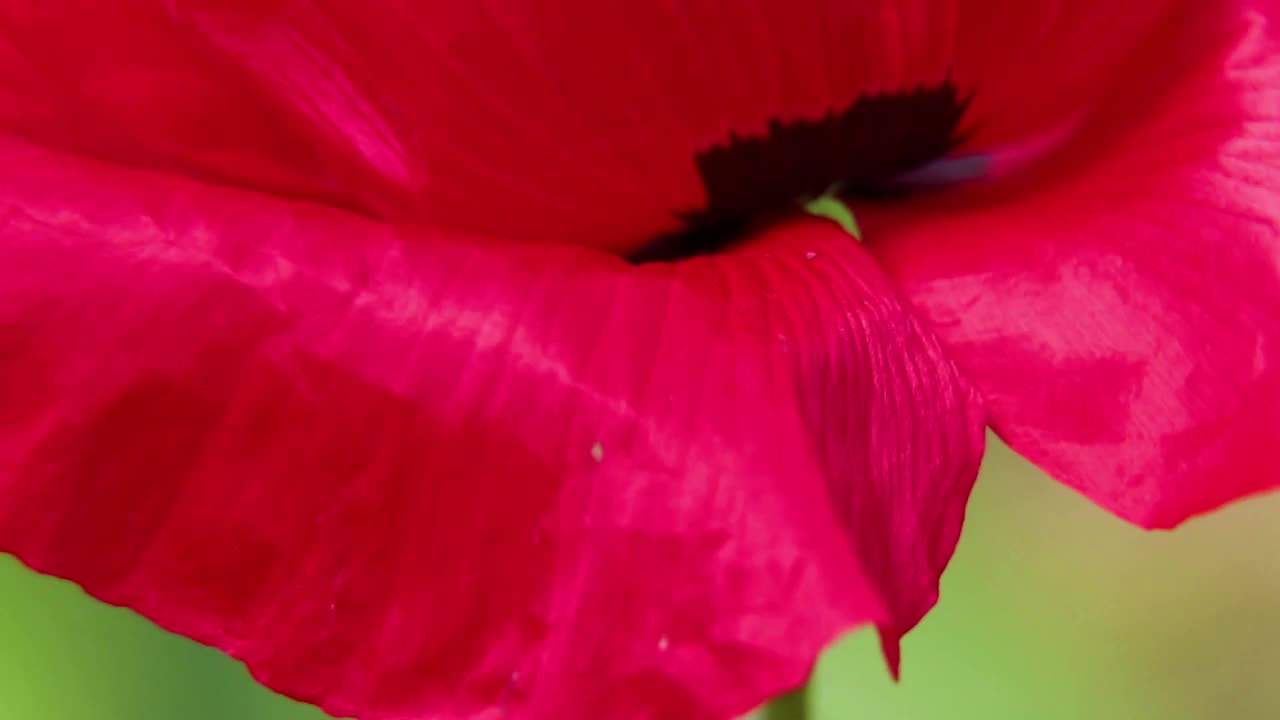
(1052, 610)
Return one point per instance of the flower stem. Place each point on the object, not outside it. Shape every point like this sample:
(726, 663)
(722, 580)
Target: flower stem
(792, 706)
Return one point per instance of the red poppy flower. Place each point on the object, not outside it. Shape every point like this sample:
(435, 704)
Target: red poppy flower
(470, 359)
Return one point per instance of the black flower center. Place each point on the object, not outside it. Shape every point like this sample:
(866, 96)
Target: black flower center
(859, 151)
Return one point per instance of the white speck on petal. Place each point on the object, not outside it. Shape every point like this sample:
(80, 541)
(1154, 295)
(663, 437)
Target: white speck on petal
(810, 255)
(597, 452)
(663, 643)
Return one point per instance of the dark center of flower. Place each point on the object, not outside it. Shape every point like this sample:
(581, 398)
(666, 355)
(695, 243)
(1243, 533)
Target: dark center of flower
(859, 151)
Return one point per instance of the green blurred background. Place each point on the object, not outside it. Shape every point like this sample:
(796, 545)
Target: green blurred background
(1052, 610)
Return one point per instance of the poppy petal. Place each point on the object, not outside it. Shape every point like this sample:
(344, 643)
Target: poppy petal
(583, 117)
(135, 83)
(403, 473)
(1119, 304)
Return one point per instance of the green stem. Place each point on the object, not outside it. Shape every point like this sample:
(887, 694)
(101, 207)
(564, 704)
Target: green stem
(793, 706)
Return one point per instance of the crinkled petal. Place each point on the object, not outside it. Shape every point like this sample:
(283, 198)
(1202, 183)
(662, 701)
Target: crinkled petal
(1119, 307)
(407, 474)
